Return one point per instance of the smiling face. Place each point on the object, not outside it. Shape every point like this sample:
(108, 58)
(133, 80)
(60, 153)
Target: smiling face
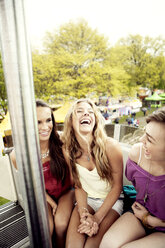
(154, 141)
(83, 118)
(45, 124)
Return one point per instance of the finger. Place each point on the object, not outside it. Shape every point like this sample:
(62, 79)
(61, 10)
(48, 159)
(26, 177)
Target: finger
(95, 227)
(138, 204)
(84, 225)
(84, 215)
(84, 230)
(89, 233)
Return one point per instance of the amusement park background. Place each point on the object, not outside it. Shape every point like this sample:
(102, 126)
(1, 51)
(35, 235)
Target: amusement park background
(125, 76)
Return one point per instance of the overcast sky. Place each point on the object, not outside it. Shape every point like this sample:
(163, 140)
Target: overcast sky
(113, 18)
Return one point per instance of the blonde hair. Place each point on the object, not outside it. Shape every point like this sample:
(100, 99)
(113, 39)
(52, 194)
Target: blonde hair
(97, 148)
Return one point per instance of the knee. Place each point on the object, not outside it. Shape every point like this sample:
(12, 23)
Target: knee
(61, 225)
(108, 242)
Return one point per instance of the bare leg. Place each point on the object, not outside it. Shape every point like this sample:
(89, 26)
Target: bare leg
(94, 241)
(153, 240)
(50, 218)
(74, 238)
(62, 217)
(126, 229)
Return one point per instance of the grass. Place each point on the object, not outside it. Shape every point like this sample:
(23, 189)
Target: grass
(138, 114)
(3, 201)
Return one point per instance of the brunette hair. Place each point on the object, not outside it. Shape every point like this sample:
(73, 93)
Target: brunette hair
(58, 165)
(158, 115)
(97, 147)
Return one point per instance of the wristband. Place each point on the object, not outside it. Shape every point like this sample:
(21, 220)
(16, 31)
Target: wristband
(144, 220)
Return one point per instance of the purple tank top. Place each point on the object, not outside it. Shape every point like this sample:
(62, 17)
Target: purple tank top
(154, 186)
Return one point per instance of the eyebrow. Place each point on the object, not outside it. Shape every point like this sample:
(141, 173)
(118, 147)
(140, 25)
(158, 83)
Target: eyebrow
(150, 136)
(83, 108)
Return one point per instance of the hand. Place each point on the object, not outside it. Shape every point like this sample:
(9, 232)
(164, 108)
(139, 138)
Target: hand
(88, 224)
(154, 221)
(54, 209)
(139, 210)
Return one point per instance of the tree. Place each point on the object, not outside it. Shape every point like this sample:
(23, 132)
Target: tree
(76, 59)
(3, 95)
(142, 63)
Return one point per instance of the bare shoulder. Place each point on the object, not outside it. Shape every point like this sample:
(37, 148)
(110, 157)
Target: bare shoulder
(135, 152)
(113, 150)
(113, 145)
(114, 155)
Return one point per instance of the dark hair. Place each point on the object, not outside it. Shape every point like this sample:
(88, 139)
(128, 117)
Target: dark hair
(158, 115)
(58, 165)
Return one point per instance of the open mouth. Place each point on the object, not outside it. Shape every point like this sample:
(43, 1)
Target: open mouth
(85, 121)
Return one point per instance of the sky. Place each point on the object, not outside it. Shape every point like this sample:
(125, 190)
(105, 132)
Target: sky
(113, 18)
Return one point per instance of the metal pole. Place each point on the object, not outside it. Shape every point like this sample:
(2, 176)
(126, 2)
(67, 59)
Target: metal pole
(17, 65)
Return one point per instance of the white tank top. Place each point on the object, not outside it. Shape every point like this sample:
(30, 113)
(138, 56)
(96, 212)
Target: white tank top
(91, 182)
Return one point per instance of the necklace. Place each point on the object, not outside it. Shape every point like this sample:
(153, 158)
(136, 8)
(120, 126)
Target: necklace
(45, 155)
(147, 185)
(88, 157)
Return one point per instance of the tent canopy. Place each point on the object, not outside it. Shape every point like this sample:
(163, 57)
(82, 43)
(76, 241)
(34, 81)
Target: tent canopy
(162, 95)
(154, 97)
(5, 124)
(60, 113)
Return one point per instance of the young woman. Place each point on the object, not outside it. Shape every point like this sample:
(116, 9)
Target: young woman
(144, 225)
(96, 165)
(59, 195)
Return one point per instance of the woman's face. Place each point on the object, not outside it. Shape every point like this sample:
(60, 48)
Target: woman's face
(83, 119)
(45, 124)
(154, 141)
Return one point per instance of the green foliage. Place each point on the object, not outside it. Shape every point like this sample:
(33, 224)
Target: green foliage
(145, 62)
(3, 94)
(78, 61)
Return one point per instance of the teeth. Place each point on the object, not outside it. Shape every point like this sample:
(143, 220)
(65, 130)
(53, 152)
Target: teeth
(85, 121)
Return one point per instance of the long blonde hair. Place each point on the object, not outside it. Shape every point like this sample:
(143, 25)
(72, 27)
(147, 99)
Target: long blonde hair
(97, 147)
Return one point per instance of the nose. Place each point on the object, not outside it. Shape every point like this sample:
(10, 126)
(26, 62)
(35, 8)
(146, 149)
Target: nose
(44, 126)
(86, 113)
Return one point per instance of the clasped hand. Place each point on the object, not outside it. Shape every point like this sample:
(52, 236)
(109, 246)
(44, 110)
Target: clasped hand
(89, 224)
(139, 210)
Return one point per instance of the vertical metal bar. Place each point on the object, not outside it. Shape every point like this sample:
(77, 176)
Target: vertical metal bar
(17, 65)
(117, 132)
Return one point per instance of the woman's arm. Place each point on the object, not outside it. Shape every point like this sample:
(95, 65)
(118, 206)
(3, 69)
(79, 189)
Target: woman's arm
(88, 223)
(142, 213)
(81, 200)
(155, 222)
(115, 158)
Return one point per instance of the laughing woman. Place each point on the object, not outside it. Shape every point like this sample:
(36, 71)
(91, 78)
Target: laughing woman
(144, 224)
(95, 161)
(59, 194)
